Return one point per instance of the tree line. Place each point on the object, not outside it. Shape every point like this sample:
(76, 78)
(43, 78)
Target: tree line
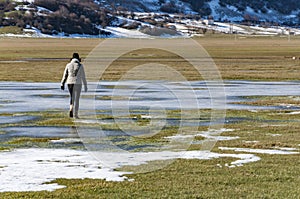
(68, 16)
(282, 6)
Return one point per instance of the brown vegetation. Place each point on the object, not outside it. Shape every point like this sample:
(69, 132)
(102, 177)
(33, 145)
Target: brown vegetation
(243, 58)
(70, 17)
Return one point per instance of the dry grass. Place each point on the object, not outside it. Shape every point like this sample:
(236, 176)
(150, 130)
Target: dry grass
(255, 58)
(274, 176)
(249, 58)
(41, 60)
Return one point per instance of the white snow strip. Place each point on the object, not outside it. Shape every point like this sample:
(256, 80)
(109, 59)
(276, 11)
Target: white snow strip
(179, 137)
(31, 169)
(281, 151)
(41, 9)
(294, 113)
(286, 149)
(121, 32)
(251, 142)
(212, 134)
(274, 135)
(215, 135)
(66, 141)
(29, 1)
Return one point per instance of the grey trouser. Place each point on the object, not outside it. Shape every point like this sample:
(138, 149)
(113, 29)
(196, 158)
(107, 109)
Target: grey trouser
(75, 91)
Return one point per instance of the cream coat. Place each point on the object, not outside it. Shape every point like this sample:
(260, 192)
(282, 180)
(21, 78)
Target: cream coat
(74, 73)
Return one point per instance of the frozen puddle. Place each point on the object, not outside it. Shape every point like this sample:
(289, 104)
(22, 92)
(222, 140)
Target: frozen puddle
(40, 132)
(15, 119)
(48, 96)
(34, 169)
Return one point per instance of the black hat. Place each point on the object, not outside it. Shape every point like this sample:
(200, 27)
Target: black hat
(76, 56)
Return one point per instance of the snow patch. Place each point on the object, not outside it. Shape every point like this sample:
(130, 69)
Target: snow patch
(67, 141)
(28, 1)
(215, 135)
(294, 113)
(280, 151)
(251, 142)
(30, 169)
(212, 134)
(274, 135)
(124, 33)
(34, 169)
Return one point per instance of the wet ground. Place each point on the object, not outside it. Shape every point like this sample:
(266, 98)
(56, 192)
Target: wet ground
(142, 102)
(127, 99)
(16, 97)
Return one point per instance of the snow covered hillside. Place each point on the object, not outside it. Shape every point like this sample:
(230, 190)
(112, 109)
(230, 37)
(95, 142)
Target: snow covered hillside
(145, 18)
(233, 10)
(281, 11)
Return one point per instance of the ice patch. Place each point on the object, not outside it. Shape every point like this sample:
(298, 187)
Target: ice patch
(31, 96)
(15, 119)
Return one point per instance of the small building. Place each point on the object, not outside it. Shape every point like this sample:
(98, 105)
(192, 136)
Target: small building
(209, 21)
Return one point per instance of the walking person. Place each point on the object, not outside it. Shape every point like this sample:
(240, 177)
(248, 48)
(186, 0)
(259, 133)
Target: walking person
(74, 76)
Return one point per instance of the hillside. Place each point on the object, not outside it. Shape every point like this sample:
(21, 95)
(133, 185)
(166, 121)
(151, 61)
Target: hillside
(143, 18)
(233, 10)
(53, 17)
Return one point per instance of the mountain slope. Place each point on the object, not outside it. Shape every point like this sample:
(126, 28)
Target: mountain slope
(232, 10)
(52, 17)
(141, 18)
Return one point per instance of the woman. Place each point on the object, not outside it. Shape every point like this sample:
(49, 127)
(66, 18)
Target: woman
(74, 76)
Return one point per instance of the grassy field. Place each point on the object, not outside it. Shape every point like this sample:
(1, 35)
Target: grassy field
(39, 60)
(274, 176)
(261, 58)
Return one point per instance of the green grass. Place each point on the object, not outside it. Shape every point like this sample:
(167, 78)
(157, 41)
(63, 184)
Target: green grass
(27, 142)
(17, 141)
(191, 179)
(4, 148)
(274, 176)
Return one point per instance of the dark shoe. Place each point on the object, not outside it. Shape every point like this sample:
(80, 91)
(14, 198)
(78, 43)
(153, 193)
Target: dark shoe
(71, 113)
(76, 115)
